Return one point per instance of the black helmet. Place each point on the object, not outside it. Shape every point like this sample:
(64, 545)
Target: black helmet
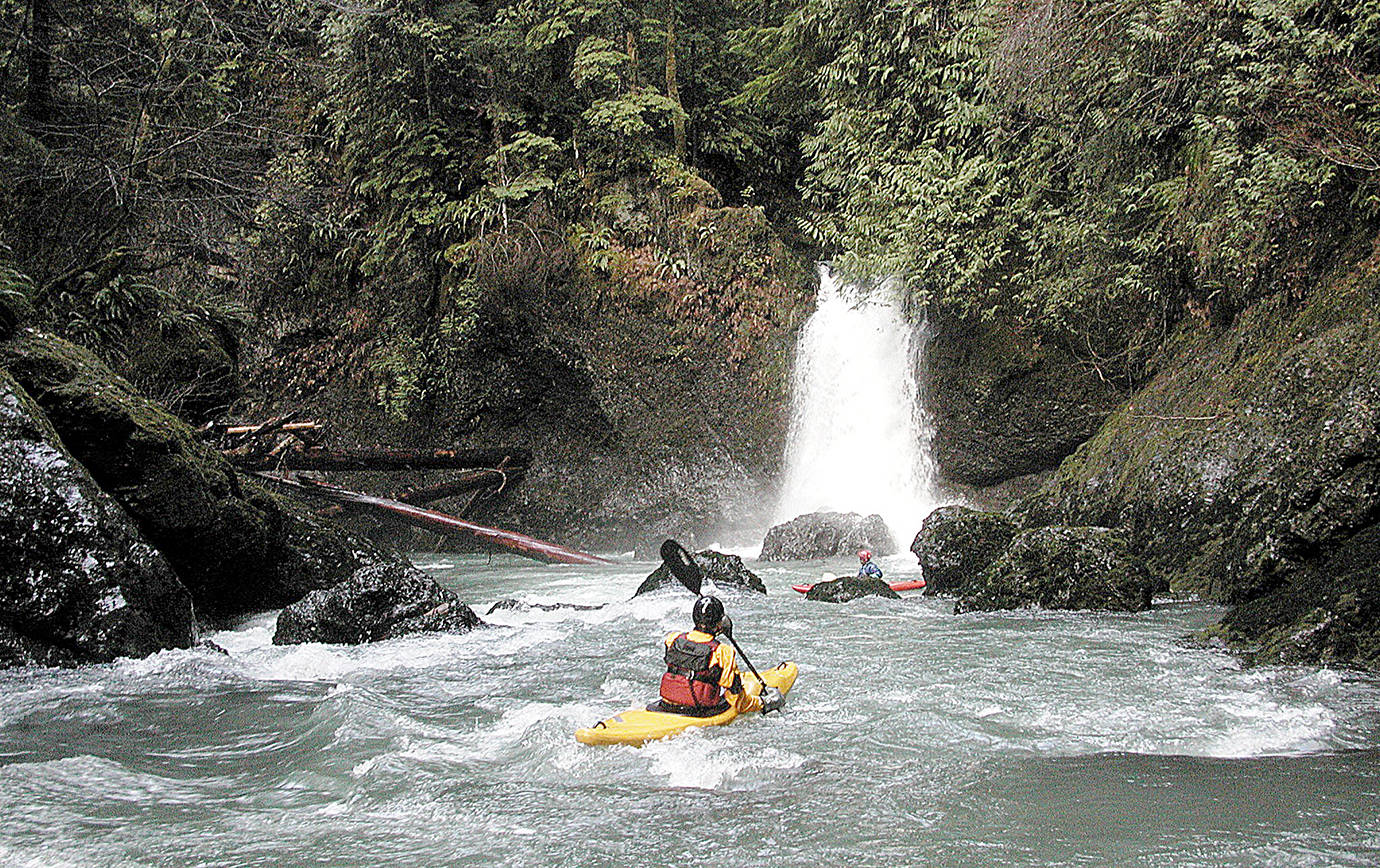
(708, 612)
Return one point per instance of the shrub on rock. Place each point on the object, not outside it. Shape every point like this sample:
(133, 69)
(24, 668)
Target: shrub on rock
(378, 602)
(1062, 568)
(826, 535)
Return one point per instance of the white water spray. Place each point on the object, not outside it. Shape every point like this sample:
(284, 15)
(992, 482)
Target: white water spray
(859, 438)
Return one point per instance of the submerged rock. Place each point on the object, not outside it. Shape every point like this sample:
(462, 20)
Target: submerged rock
(77, 582)
(376, 603)
(826, 535)
(512, 605)
(1062, 568)
(955, 544)
(850, 588)
(725, 571)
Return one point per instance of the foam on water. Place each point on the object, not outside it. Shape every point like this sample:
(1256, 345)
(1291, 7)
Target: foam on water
(417, 749)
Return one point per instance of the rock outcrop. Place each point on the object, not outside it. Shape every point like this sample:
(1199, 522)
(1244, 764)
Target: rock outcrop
(77, 582)
(235, 546)
(1003, 407)
(827, 534)
(956, 544)
(849, 588)
(1062, 568)
(725, 571)
(1248, 469)
(376, 603)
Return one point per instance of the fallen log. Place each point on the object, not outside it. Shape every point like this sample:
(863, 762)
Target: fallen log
(416, 516)
(317, 458)
(463, 483)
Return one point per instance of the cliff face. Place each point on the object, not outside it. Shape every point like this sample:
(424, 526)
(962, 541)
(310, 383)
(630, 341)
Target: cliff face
(653, 392)
(1004, 406)
(1248, 470)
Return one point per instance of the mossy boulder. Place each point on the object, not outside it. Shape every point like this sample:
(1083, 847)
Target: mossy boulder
(1329, 614)
(847, 588)
(189, 366)
(1062, 568)
(380, 602)
(827, 534)
(235, 546)
(77, 582)
(955, 544)
(1005, 405)
(725, 571)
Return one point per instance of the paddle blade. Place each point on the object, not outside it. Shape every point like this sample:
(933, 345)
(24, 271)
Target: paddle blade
(682, 565)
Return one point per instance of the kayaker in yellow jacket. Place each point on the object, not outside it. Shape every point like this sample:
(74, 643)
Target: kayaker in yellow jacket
(702, 675)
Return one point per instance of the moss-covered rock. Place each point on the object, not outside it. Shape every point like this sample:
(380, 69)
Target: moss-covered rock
(725, 571)
(826, 535)
(1062, 568)
(847, 588)
(1251, 454)
(189, 366)
(236, 547)
(1005, 405)
(955, 544)
(77, 582)
(380, 602)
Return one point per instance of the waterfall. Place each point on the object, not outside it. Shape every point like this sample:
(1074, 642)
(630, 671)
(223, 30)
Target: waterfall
(859, 437)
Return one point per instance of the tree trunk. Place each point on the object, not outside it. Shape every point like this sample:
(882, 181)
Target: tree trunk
(522, 544)
(672, 87)
(38, 98)
(385, 459)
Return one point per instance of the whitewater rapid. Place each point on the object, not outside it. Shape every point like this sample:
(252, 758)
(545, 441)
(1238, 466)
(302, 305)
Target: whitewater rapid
(913, 736)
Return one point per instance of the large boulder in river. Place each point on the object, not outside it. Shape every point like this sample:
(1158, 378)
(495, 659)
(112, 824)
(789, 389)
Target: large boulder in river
(376, 603)
(725, 571)
(1062, 568)
(849, 588)
(77, 582)
(955, 544)
(827, 535)
(234, 545)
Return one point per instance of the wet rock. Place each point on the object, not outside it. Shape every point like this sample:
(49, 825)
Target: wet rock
(511, 605)
(1062, 568)
(725, 571)
(827, 534)
(850, 588)
(236, 547)
(1005, 406)
(78, 584)
(955, 544)
(1249, 460)
(376, 603)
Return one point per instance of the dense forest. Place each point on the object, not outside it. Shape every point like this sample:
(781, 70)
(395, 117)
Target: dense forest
(1095, 170)
(590, 225)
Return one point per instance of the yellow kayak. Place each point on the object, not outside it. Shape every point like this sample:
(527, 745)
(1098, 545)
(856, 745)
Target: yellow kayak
(637, 726)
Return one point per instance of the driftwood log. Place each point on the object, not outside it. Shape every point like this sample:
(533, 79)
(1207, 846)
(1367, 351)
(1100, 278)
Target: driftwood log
(317, 458)
(522, 544)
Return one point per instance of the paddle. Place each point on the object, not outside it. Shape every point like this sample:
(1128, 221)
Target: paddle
(682, 565)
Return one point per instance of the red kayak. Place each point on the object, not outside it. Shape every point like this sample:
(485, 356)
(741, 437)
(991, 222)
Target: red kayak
(907, 585)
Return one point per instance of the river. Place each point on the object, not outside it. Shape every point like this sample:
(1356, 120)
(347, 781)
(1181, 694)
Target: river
(913, 737)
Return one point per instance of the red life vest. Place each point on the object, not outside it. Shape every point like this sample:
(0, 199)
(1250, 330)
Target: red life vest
(689, 680)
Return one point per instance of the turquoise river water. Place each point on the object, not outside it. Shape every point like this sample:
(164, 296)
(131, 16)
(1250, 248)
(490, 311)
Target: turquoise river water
(913, 737)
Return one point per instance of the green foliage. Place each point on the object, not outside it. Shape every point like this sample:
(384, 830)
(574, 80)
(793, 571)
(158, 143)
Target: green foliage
(1089, 168)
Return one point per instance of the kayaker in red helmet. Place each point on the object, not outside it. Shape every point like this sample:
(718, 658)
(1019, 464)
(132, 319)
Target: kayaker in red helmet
(701, 672)
(868, 568)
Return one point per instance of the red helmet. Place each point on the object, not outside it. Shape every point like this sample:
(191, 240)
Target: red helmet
(864, 555)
